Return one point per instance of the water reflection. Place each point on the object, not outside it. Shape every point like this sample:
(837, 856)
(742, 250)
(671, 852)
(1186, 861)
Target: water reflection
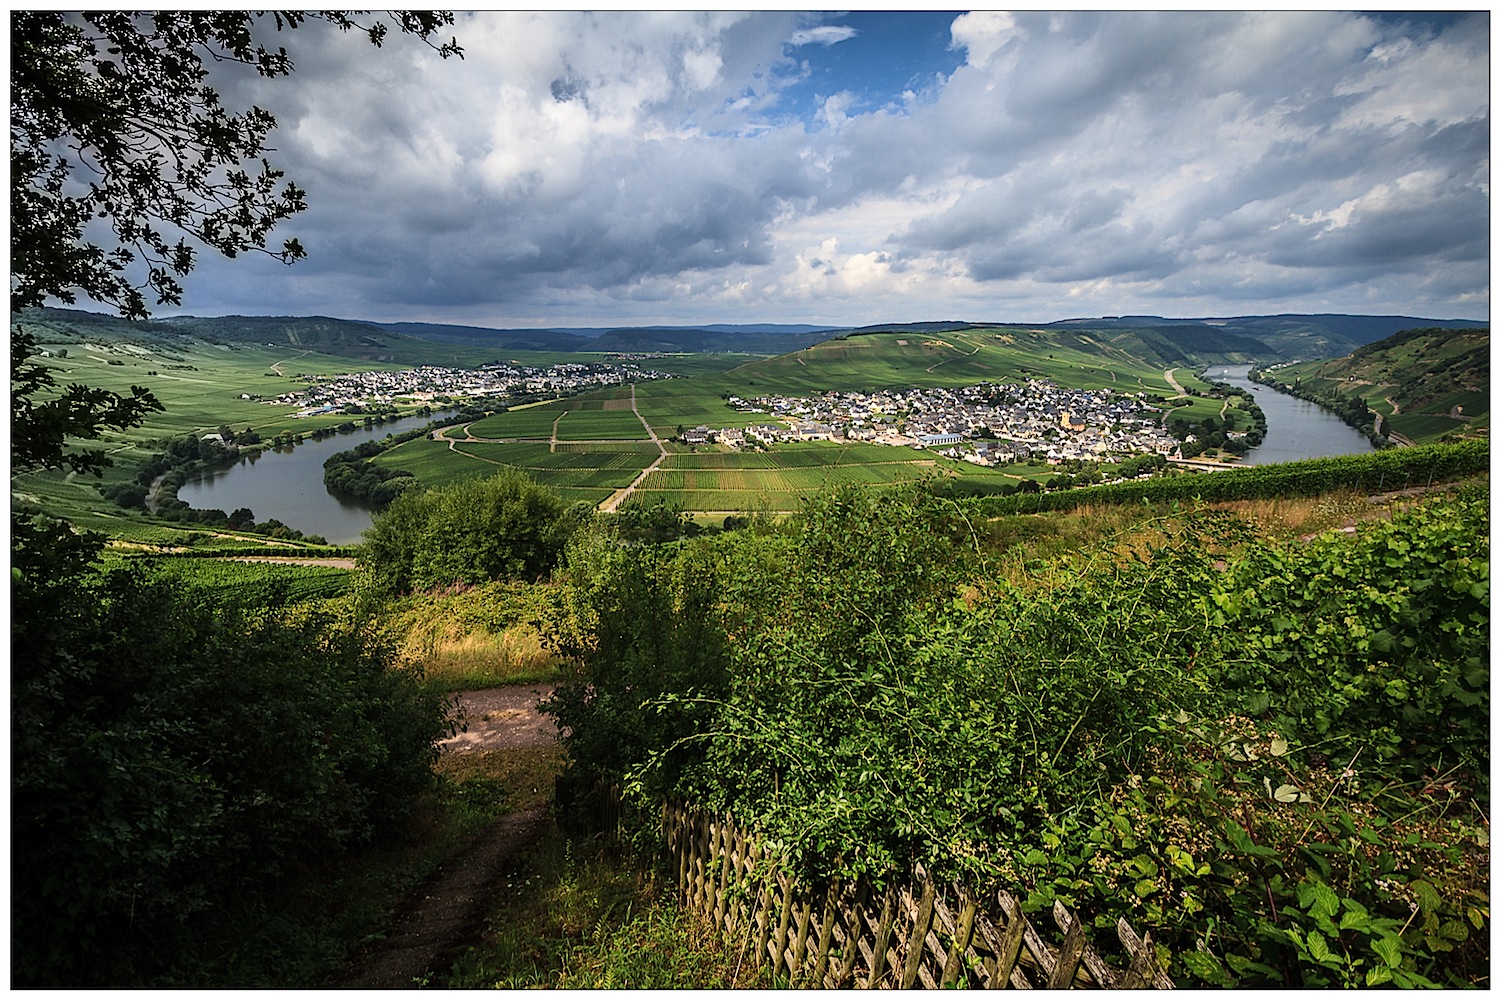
(1295, 428)
(289, 485)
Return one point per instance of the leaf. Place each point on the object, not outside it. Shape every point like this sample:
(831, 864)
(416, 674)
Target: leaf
(1144, 888)
(1288, 793)
(1280, 747)
(1204, 966)
(1389, 950)
(1318, 899)
(1317, 947)
(1427, 897)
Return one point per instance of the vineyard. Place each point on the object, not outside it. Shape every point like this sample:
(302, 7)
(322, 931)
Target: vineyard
(1392, 469)
(600, 425)
(531, 422)
(255, 584)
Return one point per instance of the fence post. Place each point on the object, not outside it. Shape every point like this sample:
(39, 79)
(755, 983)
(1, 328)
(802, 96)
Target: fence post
(916, 942)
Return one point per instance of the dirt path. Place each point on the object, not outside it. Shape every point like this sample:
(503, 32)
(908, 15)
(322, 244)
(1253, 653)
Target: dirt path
(447, 913)
(612, 502)
(337, 562)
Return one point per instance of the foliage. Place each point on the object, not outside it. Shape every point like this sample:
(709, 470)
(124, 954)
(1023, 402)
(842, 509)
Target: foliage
(170, 753)
(634, 623)
(1259, 866)
(1238, 726)
(113, 116)
(1379, 642)
(506, 527)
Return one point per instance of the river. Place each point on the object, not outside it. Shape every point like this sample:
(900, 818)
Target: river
(287, 484)
(1295, 428)
(290, 486)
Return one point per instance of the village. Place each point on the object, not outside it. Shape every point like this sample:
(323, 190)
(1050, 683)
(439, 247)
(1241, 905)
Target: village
(358, 391)
(985, 424)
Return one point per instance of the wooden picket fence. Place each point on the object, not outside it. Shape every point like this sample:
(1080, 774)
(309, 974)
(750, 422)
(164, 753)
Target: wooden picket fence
(921, 935)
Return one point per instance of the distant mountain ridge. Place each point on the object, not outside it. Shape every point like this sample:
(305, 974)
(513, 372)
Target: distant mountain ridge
(1290, 336)
(721, 338)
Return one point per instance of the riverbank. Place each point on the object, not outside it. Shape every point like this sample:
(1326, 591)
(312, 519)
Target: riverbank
(1296, 429)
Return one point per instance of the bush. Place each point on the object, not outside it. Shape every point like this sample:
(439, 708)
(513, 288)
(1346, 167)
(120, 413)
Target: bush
(506, 527)
(1277, 754)
(172, 756)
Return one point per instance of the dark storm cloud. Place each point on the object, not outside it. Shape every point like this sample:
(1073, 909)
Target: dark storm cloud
(584, 166)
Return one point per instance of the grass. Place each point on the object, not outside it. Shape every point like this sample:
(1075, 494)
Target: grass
(465, 638)
(577, 915)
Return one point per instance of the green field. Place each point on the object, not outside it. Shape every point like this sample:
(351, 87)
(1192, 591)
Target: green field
(601, 425)
(718, 479)
(600, 469)
(531, 422)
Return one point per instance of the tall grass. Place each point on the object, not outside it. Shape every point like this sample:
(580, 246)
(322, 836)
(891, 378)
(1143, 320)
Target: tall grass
(456, 659)
(465, 638)
(576, 915)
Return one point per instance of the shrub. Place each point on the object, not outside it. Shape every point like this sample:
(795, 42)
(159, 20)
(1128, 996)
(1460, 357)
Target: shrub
(506, 527)
(171, 754)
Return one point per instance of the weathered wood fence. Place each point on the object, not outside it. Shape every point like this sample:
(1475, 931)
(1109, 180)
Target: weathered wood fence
(905, 936)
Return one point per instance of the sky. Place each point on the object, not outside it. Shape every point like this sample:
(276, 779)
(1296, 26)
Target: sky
(603, 169)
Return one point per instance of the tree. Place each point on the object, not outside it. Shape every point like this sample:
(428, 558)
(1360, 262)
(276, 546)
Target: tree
(506, 527)
(113, 118)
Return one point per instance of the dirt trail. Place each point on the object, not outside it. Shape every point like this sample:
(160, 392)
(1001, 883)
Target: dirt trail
(447, 912)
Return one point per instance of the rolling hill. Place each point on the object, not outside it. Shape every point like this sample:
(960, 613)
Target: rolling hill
(1429, 383)
(1153, 340)
(1288, 335)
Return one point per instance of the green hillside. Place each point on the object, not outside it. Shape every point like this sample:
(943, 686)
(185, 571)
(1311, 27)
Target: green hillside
(1085, 359)
(1429, 384)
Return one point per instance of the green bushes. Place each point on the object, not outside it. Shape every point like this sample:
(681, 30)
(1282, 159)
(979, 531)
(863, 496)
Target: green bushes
(1379, 642)
(506, 527)
(1250, 742)
(173, 759)
(637, 624)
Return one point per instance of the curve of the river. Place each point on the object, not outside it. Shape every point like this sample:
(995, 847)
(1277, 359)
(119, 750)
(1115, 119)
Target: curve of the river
(287, 484)
(1295, 428)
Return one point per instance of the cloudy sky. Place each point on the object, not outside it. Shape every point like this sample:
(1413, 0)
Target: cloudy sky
(599, 169)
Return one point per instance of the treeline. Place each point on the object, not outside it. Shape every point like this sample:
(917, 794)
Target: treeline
(181, 459)
(178, 461)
